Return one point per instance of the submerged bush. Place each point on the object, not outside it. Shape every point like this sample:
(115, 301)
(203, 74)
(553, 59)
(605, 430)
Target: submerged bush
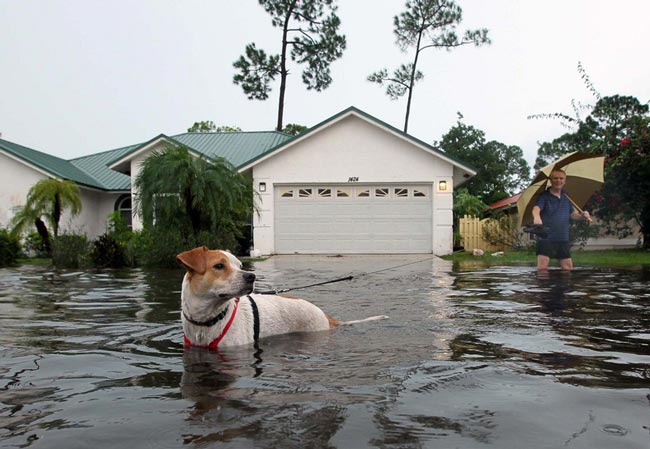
(108, 252)
(33, 245)
(9, 248)
(71, 251)
(154, 247)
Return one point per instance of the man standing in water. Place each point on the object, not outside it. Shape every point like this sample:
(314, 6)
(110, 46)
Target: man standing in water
(554, 210)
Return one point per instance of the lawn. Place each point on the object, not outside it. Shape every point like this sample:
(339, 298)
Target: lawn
(602, 258)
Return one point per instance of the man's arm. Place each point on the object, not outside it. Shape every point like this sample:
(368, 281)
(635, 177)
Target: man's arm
(537, 219)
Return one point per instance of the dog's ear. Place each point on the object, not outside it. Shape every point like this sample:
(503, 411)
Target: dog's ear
(194, 259)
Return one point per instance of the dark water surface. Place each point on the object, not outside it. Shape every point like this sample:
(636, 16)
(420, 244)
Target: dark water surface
(470, 358)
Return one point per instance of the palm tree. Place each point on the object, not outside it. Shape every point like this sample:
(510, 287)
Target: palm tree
(24, 217)
(47, 198)
(210, 195)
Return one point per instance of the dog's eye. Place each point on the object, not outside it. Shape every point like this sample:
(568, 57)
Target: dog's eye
(219, 266)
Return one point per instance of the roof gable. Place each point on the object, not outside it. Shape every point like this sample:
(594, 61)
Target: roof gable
(459, 166)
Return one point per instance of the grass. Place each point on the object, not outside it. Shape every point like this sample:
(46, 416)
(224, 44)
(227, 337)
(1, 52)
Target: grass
(599, 258)
(41, 262)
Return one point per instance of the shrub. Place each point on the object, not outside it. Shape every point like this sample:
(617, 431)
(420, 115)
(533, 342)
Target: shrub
(502, 231)
(118, 228)
(107, 252)
(33, 245)
(71, 251)
(581, 231)
(155, 247)
(9, 248)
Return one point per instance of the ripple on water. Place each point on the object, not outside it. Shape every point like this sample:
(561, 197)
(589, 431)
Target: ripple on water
(496, 357)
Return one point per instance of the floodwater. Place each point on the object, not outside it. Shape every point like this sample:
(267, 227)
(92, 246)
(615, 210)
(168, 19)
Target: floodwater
(470, 358)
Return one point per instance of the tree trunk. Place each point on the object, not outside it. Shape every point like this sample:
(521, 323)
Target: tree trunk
(56, 215)
(283, 67)
(412, 83)
(45, 236)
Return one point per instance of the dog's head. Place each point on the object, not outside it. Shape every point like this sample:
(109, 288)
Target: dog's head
(215, 275)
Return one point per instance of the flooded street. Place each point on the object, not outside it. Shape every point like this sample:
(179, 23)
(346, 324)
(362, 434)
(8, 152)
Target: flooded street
(471, 357)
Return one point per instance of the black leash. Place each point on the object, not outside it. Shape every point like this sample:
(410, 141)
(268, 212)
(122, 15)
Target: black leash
(256, 319)
(284, 290)
(346, 278)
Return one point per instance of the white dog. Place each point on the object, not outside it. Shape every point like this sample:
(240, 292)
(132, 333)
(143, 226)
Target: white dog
(218, 309)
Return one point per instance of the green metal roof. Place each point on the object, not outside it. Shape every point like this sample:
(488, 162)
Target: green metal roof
(96, 165)
(236, 147)
(57, 167)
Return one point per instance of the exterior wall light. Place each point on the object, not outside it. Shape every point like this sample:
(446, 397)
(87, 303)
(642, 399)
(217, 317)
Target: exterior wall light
(262, 187)
(442, 186)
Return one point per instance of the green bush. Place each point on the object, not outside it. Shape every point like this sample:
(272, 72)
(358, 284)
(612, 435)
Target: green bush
(9, 248)
(71, 251)
(155, 247)
(107, 252)
(581, 231)
(33, 245)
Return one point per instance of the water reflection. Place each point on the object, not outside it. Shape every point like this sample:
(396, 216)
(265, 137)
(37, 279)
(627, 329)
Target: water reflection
(580, 326)
(553, 286)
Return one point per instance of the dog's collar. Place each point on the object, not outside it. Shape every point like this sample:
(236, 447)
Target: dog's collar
(216, 341)
(210, 322)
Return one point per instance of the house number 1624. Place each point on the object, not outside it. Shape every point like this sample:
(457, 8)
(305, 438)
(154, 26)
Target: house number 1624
(353, 179)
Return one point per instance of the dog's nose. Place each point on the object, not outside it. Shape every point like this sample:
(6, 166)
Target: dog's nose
(249, 277)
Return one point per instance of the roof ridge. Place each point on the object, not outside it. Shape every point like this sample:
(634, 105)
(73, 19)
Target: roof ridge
(231, 132)
(101, 152)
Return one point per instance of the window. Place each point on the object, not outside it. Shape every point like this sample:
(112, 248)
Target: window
(419, 194)
(401, 193)
(286, 193)
(382, 193)
(123, 206)
(305, 193)
(325, 193)
(342, 193)
(363, 193)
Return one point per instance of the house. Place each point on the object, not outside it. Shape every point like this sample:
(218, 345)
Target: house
(351, 184)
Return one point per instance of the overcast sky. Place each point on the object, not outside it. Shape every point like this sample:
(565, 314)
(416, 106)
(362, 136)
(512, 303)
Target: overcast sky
(84, 76)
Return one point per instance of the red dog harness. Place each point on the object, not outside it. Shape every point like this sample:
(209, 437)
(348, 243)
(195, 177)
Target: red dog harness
(212, 346)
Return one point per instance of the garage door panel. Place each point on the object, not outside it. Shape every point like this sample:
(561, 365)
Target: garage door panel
(354, 224)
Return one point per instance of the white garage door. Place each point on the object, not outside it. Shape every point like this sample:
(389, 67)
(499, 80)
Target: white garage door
(321, 219)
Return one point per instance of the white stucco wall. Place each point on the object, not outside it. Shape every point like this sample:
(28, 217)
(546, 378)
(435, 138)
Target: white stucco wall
(17, 179)
(354, 148)
(95, 207)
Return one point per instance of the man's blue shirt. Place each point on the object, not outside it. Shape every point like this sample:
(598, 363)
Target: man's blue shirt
(555, 214)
